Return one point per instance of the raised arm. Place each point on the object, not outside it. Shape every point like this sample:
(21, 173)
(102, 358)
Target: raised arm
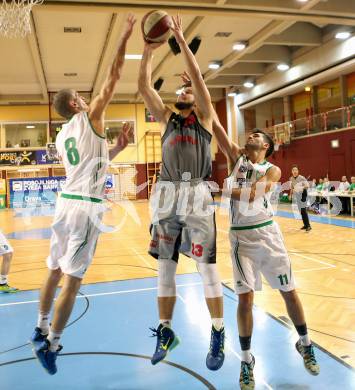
(260, 187)
(122, 140)
(150, 96)
(101, 101)
(200, 91)
(229, 148)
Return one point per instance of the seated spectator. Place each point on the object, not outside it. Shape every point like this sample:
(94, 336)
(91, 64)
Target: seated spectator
(344, 184)
(326, 184)
(352, 185)
(313, 184)
(319, 186)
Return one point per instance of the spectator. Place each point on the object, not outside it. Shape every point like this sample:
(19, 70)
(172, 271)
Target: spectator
(320, 185)
(345, 202)
(299, 187)
(352, 185)
(326, 184)
(344, 184)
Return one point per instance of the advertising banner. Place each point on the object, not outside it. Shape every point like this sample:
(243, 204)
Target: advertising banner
(35, 192)
(39, 191)
(22, 157)
(46, 157)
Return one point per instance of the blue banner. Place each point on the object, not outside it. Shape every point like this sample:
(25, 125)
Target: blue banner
(40, 191)
(43, 157)
(35, 192)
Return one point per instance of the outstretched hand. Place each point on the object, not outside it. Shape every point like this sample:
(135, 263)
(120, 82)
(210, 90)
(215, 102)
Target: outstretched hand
(176, 28)
(130, 22)
(124, 136)
(185, 78)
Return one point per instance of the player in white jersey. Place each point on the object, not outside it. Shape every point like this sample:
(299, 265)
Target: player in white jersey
(257, 246)
(6, 252)
(83, 149)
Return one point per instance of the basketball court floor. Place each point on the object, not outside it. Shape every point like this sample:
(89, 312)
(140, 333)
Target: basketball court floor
(107, 344)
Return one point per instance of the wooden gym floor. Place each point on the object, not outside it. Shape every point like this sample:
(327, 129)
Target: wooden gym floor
(323, 262)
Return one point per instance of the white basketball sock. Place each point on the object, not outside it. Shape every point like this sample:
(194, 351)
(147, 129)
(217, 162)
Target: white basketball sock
(305, 340)
(43, 322)
(246, 356)
(165, 322)
(217, 323)
(3, 279)
(53, 339)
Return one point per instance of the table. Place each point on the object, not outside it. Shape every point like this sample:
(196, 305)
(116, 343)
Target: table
(328, 194)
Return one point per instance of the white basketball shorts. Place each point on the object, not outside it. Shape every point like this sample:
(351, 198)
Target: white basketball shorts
(260, 251)
(75, 231)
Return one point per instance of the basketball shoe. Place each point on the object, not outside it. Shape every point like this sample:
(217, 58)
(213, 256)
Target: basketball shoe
(166, 341)
(215, 356)
(309, 358)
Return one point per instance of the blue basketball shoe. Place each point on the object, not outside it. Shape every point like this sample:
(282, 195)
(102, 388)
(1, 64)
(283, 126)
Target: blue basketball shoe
(37, 337)
(215, 356)
(46, 357)
(166, 341)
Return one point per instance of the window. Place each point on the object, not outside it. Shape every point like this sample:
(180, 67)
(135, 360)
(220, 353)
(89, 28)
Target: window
(114, 128)
(54, 129)
(25, 135)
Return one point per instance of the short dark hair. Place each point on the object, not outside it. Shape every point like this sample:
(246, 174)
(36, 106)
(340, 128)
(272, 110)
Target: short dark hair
(294, 166)
(268, 140)
(61, 103)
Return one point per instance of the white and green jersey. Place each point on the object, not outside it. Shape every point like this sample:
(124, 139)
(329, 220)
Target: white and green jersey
(85, 157)
(244, 215)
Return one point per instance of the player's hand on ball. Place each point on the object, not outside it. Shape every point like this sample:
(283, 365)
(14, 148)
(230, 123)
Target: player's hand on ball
(130, 22)
(176, 28)
(152, 45)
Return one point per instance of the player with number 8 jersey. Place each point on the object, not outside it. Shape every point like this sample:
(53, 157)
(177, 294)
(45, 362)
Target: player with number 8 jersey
(85, 156)
(83, 149)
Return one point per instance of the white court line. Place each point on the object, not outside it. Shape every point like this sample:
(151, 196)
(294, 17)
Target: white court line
(142, 258)
(312, 258)
(103, 294)
(312, 269)
(179, 296)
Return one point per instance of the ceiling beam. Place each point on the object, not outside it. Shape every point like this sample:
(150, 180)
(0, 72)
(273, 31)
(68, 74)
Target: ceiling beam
(268, 54)
(225, 81)
(108, 52)
(252, 11)
(21, 99)
(256, 41)
(299, 34)
(33, 44)
(245, 69)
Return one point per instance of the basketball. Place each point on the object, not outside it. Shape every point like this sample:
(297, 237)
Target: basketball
(156, 26)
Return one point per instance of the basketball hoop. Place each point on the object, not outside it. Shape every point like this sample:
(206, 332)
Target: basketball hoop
(15, 19)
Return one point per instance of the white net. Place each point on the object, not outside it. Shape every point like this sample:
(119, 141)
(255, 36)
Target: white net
(15, 19)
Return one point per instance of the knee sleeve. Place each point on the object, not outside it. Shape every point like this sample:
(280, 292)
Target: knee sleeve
(166, 278)
(211, 281)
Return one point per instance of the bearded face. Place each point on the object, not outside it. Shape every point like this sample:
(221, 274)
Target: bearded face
(256, 142)
(185, 100)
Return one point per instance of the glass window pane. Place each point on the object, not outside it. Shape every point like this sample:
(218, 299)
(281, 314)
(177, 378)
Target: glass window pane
(25, 135)
(54, 129)
(114, 128)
